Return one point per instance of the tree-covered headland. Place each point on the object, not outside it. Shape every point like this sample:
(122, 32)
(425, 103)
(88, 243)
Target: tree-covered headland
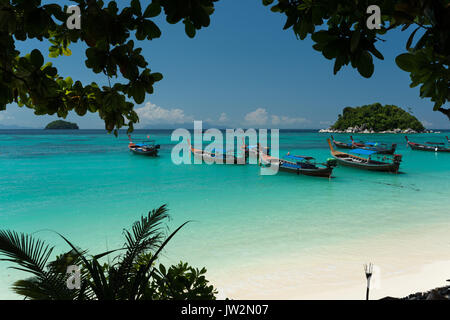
(378, 118)
(60, 124)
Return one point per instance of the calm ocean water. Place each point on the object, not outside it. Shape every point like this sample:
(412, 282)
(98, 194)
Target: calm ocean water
(87, 186)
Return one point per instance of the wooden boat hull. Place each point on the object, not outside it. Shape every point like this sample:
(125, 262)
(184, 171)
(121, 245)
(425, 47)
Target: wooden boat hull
(350, 160)
(356, 145)
(370, 166)
(320, 172)
(152, 152)
(383, 150)
(342, 145)
(208, 158)
(423, 147)
(147, 148)
(428, 148)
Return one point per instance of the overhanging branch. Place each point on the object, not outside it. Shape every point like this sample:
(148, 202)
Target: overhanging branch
(445, 111)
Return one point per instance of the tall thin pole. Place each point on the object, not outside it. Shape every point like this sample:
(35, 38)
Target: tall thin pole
(368, 269)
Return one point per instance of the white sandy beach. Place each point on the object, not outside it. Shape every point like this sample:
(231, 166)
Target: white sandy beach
(404, 264)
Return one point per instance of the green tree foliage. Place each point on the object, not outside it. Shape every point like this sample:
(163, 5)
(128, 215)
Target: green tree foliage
(377, 117)
(60, 124)
(109, 33)
(338, 28)
(132, 276)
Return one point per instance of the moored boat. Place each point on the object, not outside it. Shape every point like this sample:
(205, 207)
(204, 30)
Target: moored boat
(383, 162)
(255, 150)
(147, 148)
(217, 156)
(373, 146)
(343, 145)
(303, 165)
(381, 148)
(430, 146)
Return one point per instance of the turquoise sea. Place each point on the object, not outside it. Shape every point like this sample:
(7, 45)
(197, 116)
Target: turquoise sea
(86, 185)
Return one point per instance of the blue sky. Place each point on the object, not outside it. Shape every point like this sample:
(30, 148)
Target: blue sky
(244, 70)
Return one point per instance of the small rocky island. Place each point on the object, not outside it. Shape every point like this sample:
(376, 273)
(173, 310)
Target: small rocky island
(62, 125)
(376, 118)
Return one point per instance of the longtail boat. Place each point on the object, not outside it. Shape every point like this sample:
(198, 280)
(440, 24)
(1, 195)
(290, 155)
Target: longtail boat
(255, 150)
(388, 163)
(147, 148)
(373, 146)
(381, 148)
(217, 156)
(303, 165)
(342, 145)
(430, 146)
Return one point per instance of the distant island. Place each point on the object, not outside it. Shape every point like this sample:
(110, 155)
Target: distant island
(376, 118)
(60, 124)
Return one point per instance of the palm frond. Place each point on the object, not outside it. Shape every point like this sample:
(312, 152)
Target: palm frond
(29, 253)
(147, 234)
(143, 276)
(95, 282)
(30, 288)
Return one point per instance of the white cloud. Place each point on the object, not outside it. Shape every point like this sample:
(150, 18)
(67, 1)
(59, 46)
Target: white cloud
(286, 121)
(258, 117)
(223, 117)
(426, 123)
(4, 116)
(153, 114)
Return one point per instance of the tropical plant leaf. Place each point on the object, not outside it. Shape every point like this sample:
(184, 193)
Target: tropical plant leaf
(31, 254)
(142, 277)
(146, 234)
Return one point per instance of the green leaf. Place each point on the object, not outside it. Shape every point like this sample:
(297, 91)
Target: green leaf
(36, 58)
(410, 39)
(151, 30)
(354, 42)
(331, 50)
(338, 64)
(157, 76)
(136, 5)
(303, 31)
(189, 28)
(139, 93)
(67, 52)
(406, 62)
(375, 52)
(69, 81)
(322, 36)
(162, 269)
(365, 65)
(152, 10)
(421, 43)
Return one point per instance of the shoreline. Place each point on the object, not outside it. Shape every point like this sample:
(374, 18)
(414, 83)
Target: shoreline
(425, 278)
(370, 131)
(337, 273)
